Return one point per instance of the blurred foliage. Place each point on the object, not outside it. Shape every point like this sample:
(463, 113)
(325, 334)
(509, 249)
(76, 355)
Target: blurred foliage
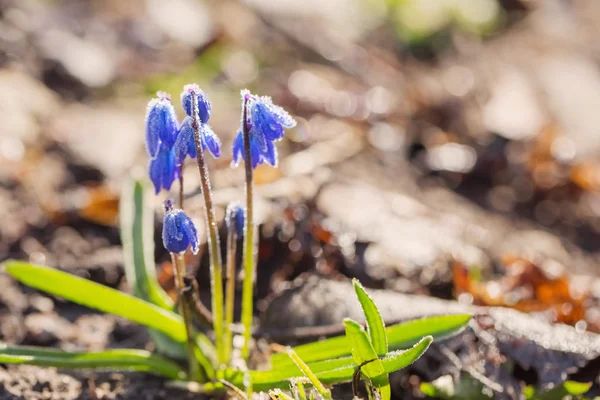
(416, 21)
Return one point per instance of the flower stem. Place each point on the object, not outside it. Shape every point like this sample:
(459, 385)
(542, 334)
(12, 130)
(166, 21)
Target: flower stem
(230, 289)
(186, 314)
(248, 286)
(216, 281)
(181, 186)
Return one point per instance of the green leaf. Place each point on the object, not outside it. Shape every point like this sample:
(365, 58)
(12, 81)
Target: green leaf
(375, 324)
(137, 228)
(99, 297)
(326, 393)
(400, 336)
(119, 359)
(328, 371)
(363, 352)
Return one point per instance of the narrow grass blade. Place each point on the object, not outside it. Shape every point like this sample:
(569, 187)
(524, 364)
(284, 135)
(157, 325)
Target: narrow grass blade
(277, 394)
(298, 389)
(364, 353)
(118, 359)
(375, 324)
(326, 393)
(99, 297)
(328, 371)
(399, 336)
(137, 227)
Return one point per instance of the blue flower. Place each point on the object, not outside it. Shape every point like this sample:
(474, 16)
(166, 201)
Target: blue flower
(235, 218)
(266, 123)
(267, 119)
(161, 124)
(186, 146)
(258, 155)
(163, 169)
(179, 232)
(204, 105)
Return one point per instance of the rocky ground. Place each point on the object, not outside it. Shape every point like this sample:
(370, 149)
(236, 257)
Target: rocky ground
(414, 168)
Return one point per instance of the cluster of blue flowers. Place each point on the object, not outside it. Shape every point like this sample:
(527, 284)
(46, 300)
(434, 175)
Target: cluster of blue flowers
(265, 122)
(168, 144)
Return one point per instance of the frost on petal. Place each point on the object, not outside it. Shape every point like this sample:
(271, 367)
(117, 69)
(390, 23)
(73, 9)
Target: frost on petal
(155, 175)
(211, 140)
(161, 124)
(189, 230)
(179, 232)
(255, 152)
(264, 122)
(184, 144)
(237, 148)
(163, 169)
(152, 130)
(282, 117)
(204, 104)
(270, 154)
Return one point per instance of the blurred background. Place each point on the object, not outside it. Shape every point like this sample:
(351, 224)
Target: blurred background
(449, 148)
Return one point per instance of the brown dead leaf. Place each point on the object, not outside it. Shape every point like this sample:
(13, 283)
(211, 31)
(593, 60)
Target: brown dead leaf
(526, 287)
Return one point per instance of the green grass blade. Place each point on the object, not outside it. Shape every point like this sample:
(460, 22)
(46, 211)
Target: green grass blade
(99, 297)
(277, 394)
(400, 336)
(328, 371)
(363, 352)
(118, 359)
(326, 393)
(298, 389)
(375, 324)
(137, 228)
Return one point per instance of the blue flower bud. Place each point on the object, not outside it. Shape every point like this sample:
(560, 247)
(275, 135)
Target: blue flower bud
(163, 169)
(179, 232)
(204, 105)
(161, 123)
(186, 146)
(234, 218)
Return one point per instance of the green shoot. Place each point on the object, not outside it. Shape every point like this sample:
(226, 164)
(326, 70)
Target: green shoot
(326, 393)
(399, 336)
(363, 352)
(375, 324)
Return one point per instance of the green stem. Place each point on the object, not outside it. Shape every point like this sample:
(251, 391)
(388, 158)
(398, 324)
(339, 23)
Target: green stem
(216, 281)
(181, 187)
(248, 286)
(230, 288)
(185, 311)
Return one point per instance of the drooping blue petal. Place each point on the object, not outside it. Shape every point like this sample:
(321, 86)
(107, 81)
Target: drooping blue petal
(234, 218)
(210, 140)
(161, 123)
(270, 154)
(179, 232)
(238, 148)
(204, 105)
(255, 152)
(264, 122)
(184, 144)
(163, 169)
